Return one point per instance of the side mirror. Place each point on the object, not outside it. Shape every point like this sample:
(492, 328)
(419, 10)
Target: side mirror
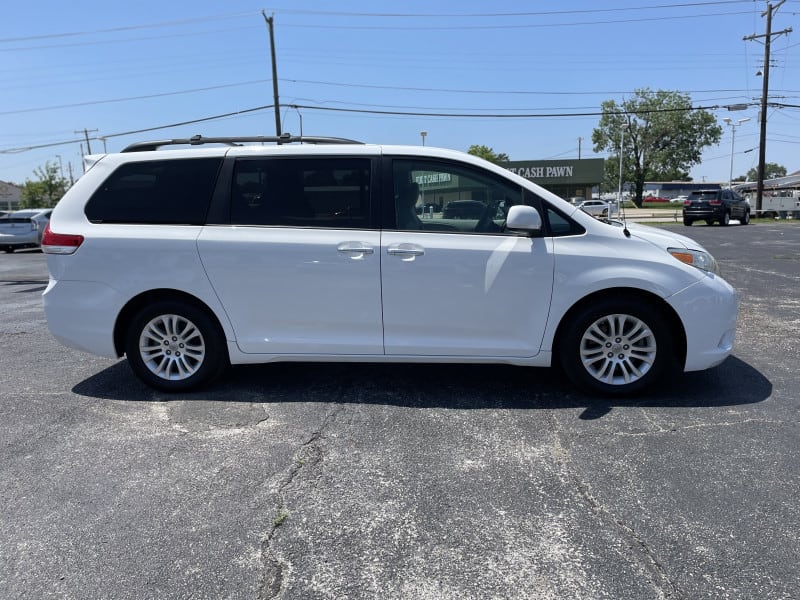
(524, 218)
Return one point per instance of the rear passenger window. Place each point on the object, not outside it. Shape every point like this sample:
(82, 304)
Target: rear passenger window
(316, 192)
(174, 192)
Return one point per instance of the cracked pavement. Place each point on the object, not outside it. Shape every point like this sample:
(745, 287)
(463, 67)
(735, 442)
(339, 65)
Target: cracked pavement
(305, 481)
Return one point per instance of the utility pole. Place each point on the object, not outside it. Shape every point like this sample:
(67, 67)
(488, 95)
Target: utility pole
(580, 139)
(762, 146)
(85, 133)
(269, 21)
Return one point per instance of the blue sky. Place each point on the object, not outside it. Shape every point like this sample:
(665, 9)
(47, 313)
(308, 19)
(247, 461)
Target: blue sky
(118, 67)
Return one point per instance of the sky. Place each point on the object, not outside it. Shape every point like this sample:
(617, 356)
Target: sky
(509, 74)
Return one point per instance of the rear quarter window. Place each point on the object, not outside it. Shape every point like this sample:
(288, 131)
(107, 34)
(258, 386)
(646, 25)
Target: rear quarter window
(173, 192)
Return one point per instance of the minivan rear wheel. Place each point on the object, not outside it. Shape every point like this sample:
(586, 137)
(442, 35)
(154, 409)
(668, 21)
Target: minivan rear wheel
(175, 346)
(616, 346)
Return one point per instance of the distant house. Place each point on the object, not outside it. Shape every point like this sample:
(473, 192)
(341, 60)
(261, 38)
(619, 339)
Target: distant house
(10, 196)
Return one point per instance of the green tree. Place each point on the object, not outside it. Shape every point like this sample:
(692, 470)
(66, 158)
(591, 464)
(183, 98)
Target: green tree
(771, 171)
(46, 190)
(488, 154)
(663, 137)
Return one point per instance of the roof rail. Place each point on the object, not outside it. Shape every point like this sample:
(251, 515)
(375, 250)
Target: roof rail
(198, 140)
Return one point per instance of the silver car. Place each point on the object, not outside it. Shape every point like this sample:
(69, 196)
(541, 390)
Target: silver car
(598, 208)
(23, 228)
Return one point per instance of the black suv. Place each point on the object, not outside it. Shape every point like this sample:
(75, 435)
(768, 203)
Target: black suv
(715, 205)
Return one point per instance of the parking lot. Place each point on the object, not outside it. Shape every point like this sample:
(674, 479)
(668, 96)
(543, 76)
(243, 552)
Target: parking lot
(302, 481)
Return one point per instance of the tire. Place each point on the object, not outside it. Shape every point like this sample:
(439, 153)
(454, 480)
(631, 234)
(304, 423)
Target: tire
(174, 346)
(9, 249)
(726, 219)
(709, 222)
(746, 218)
(616, 346)
(687, 222)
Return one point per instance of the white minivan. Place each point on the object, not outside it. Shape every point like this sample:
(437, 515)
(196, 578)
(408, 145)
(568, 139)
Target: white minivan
(192, 258)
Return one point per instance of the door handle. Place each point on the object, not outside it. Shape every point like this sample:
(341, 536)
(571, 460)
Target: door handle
(355, 248)
(405, 251)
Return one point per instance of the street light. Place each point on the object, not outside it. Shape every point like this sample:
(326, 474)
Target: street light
(733, 126)
(299, 114)
(621, 149)
(423, 134)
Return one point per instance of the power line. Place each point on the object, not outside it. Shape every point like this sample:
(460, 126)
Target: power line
(506, 14)
(502, 116)
(516, 26)
(65, 34)
(391, 27)
(371, 112)
(135, 131)
(217, 17)
(356, 85)
(129, 98)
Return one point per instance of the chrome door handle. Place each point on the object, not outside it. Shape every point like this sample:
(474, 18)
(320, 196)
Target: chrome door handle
(355, 248)
(405, 250)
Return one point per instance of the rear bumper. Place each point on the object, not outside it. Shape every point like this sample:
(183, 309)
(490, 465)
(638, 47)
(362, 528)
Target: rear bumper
(19, 241)
(82, 314)
(704, 213)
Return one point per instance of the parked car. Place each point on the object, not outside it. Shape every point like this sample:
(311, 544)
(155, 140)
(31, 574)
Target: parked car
(598, 208)
(679, 199)
(464, 209)
(715, 206)
(23, 228)
(187, 260)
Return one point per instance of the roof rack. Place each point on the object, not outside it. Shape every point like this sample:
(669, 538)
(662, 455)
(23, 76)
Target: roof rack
(197, 140)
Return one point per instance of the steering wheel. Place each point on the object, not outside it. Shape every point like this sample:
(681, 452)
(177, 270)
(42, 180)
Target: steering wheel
(486, 221)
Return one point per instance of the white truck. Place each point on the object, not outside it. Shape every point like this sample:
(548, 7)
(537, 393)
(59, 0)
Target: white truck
(779, 206)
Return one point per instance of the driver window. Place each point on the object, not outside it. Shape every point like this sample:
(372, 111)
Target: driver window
(448, 197)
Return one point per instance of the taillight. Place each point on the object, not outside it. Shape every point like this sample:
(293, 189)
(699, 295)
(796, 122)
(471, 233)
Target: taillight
(687, 202)
(59, 243)
(715, 202)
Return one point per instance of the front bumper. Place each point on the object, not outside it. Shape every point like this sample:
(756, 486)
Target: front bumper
(709, 309)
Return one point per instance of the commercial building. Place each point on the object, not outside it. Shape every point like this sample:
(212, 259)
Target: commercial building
(10, 196)
(566, 178)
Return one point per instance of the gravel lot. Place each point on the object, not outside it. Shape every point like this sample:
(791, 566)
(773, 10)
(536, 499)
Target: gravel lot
(305, 481)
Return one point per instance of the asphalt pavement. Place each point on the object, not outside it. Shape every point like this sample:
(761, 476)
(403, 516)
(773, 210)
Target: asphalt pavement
(306, 481)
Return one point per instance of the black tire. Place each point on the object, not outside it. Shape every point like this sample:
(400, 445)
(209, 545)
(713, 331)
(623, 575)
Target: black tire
(746, 218)
(174, 346)
(709, 222)
(616, 346)
(726, 219)
(9, 249)
(687, 222)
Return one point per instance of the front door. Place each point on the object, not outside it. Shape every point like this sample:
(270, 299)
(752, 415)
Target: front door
(454, 282)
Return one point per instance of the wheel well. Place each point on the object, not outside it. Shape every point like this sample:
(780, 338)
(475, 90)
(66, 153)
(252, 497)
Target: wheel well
(136, 303)
(675, 324)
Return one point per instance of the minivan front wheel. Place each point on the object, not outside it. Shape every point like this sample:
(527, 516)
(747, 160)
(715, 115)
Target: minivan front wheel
(174, 346)
(616, 347)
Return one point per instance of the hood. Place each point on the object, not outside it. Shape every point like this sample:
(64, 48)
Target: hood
(663, 238)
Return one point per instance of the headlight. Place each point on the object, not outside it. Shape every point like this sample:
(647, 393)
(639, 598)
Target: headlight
(702, 260)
